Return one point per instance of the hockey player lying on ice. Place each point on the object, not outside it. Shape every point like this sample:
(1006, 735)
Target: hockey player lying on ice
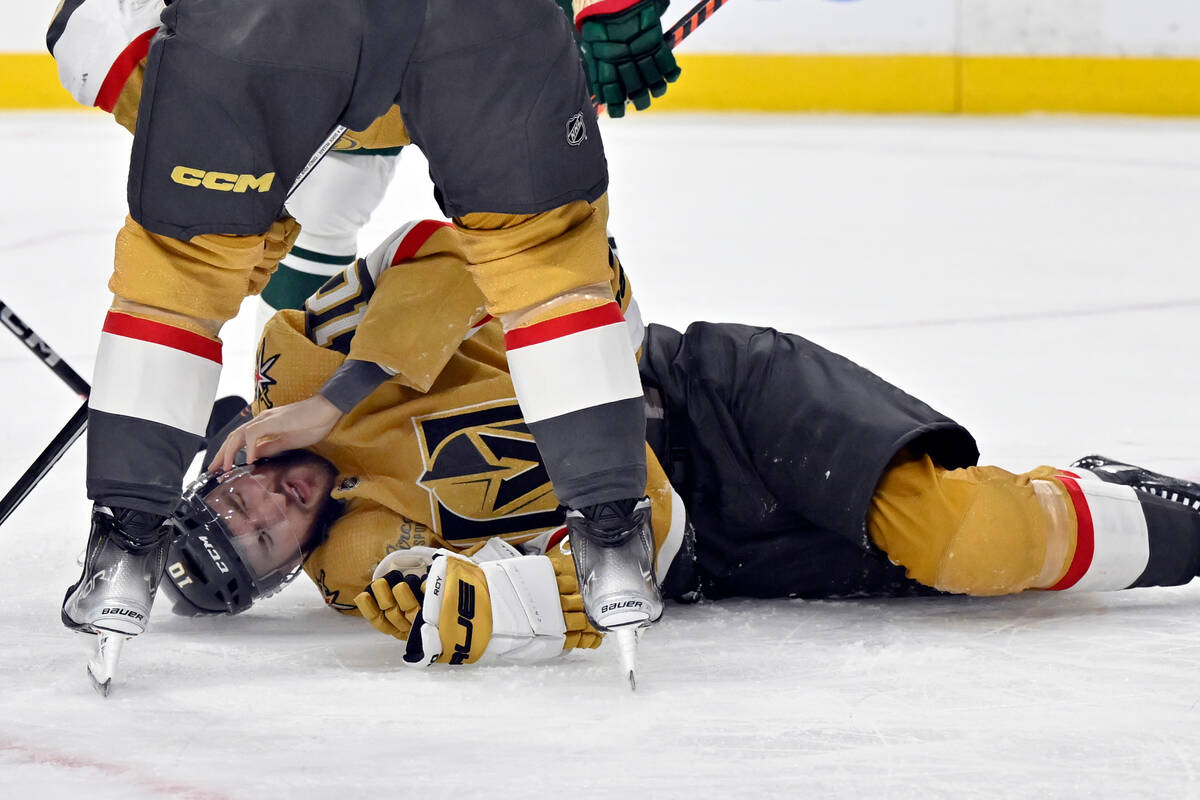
(792, 472)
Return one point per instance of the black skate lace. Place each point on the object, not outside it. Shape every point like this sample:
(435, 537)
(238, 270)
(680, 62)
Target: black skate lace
(1167, 494)
(1143, 480)
(608, 523)
(136, 531)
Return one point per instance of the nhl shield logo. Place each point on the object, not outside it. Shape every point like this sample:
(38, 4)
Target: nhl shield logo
(576, 132)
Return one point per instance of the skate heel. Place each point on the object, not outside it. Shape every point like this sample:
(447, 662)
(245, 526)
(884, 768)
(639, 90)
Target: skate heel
(613, 548)
(126, 554)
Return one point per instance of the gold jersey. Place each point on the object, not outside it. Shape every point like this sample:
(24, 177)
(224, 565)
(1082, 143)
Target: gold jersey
(437, 455)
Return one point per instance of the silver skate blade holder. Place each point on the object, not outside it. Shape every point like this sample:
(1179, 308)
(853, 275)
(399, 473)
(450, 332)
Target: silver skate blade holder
(103, 664)
(627, 637)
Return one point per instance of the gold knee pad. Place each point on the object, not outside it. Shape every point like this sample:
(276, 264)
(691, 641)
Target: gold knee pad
(979, 530)
(521, 262)
(126, 108)
(198, 284)
(385, 132)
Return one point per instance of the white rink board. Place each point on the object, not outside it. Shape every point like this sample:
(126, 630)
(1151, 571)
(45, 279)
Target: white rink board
(976, 27)
(23, 25)
(823, 26)
(970, 27)
(1080, 27)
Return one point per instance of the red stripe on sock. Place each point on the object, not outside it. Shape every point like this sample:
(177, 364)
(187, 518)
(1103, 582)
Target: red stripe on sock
(166, 335)
(413, 240)
(598, 317)
(603, 7)
(1085, 537)
(122, 68)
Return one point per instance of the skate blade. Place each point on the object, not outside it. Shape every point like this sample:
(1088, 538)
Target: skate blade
(627, 640)
(102, 666)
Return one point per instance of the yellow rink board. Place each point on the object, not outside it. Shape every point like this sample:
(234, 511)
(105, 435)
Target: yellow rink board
(868, 83)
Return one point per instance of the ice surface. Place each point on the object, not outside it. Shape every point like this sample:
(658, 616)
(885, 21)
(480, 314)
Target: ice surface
(1033, 277)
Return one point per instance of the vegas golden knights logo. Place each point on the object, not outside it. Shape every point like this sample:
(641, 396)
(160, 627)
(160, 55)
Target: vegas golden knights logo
(262, 376)
(484, 474)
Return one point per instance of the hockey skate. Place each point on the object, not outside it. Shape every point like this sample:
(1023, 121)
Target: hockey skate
(1164, 486)
(613, 548)
(126, 554)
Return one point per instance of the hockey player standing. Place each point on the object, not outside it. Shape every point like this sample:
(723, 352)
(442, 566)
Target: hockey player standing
(792, 472)
(100, 49)
(236, 98)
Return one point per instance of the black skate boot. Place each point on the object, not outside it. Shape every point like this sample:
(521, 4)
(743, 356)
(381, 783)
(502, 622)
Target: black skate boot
(613, 547)
(1164, 486)
(126, 554)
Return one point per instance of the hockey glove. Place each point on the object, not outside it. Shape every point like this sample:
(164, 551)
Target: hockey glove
(625, 55)
(453, 610)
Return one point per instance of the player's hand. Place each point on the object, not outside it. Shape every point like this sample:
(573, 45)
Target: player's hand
(278, 429)
(392, 601)
(452, 610)
(625, 55)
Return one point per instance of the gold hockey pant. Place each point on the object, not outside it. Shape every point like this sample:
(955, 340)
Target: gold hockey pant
(986, 531)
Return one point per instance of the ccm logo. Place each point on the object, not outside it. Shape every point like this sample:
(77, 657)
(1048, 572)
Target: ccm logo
(30, 338)
(623, 604)
(222, 181)
(214, 554)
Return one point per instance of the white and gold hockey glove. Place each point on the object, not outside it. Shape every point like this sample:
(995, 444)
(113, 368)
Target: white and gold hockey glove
(499, 606)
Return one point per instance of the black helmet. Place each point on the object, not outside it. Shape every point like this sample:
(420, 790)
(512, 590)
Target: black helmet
(212, 569)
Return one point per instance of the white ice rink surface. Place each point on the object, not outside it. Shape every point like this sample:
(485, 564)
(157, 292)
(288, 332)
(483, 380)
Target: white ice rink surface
(1036, 278)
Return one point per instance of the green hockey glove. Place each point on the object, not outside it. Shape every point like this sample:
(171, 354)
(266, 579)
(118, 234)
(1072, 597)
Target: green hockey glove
(626, 57)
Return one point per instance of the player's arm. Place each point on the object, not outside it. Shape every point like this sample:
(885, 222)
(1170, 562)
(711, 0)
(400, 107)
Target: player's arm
(497, 606)
(400, 313)
(100, 50)
(625, 55)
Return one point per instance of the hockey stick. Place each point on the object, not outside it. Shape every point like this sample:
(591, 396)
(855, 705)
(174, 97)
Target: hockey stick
(691, 20)
(43, 351)
(44, 462)
(70, 432)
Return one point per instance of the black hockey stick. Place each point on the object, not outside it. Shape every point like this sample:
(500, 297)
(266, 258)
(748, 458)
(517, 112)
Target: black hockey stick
(43, 463)
(691, 20)
(70, 432)
(43, 351)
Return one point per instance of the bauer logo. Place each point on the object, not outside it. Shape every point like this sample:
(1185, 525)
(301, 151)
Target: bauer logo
(576, 132)
(630, 604)
(222, 181)
(123, 612)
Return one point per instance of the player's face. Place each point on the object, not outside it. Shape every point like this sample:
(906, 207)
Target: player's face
(271, 509)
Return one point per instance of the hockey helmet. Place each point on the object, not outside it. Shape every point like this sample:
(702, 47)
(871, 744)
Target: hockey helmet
(234, 541)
